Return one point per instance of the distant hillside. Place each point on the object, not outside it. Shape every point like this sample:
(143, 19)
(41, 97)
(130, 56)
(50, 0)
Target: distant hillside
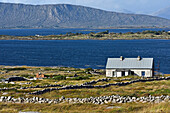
(165, 13)
(63, 15)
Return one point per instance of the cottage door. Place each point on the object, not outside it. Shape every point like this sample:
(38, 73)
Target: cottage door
(123, 73)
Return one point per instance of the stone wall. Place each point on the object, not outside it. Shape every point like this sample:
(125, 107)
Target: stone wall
(91, 100)
(88, 85)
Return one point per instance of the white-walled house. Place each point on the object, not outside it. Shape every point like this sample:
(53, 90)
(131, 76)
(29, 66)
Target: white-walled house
(118, 67)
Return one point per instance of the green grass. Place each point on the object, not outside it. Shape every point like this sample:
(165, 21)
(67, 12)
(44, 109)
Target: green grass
(2, 85)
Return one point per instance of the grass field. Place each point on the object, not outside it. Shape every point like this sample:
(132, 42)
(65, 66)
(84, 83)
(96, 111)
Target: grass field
(155, 88)
(87, 108)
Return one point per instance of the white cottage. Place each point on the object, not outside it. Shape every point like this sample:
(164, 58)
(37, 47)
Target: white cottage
(118, 67)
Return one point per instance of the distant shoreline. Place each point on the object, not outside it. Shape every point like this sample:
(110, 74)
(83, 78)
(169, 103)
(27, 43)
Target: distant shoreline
(82, 39)
(91, 28)
(105, 35)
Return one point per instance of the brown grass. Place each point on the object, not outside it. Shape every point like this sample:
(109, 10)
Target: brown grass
(86, 108)
(136, 89)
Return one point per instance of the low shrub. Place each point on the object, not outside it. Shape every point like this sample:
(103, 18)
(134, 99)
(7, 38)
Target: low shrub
(80, 78)
(14, 69)
(60, 77)
(88, 69)
(26, 75)
(6, 85)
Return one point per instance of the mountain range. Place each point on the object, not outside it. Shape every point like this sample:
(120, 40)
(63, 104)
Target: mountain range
(164, 13)
(71, 16)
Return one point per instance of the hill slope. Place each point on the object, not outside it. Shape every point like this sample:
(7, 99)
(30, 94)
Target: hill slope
(165, 13)
(63, 15)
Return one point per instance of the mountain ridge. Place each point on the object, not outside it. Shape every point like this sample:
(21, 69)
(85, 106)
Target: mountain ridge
(164, 13)
(71, 16)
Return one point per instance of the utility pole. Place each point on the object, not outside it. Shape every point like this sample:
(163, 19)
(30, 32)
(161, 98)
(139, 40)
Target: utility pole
(158, 66)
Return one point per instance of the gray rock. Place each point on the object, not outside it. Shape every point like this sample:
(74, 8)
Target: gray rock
(158, 100)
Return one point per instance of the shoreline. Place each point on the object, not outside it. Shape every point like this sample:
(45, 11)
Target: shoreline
(91, 28)
(80, 39)
(95, 36)
(85, 39)
(54, 67)
(25, 66)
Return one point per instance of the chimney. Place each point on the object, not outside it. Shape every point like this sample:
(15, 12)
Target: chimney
(139, 58)
(121, 58)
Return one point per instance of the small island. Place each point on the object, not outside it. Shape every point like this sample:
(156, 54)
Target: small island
(106, 35)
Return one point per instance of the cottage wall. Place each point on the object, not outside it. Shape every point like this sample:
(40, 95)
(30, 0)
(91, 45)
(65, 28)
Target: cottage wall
(118, 74)
(126, 73)
(148, 72)
(109, 72)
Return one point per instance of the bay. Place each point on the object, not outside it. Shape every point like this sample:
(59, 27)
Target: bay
(81, 53)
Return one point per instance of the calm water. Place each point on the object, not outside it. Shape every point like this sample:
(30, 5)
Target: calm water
(43, 32)
(81, 53)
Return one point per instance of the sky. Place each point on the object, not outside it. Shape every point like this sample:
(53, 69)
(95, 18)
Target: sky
(136, 6)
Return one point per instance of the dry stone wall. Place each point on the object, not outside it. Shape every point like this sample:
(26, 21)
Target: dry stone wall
(91, 100)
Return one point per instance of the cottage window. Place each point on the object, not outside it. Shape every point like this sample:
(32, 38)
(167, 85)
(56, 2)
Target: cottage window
(132, 73)
(143, 73)
(113, 73)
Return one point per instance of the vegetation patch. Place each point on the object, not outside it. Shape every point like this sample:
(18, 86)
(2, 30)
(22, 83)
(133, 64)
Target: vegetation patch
(105, 35)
